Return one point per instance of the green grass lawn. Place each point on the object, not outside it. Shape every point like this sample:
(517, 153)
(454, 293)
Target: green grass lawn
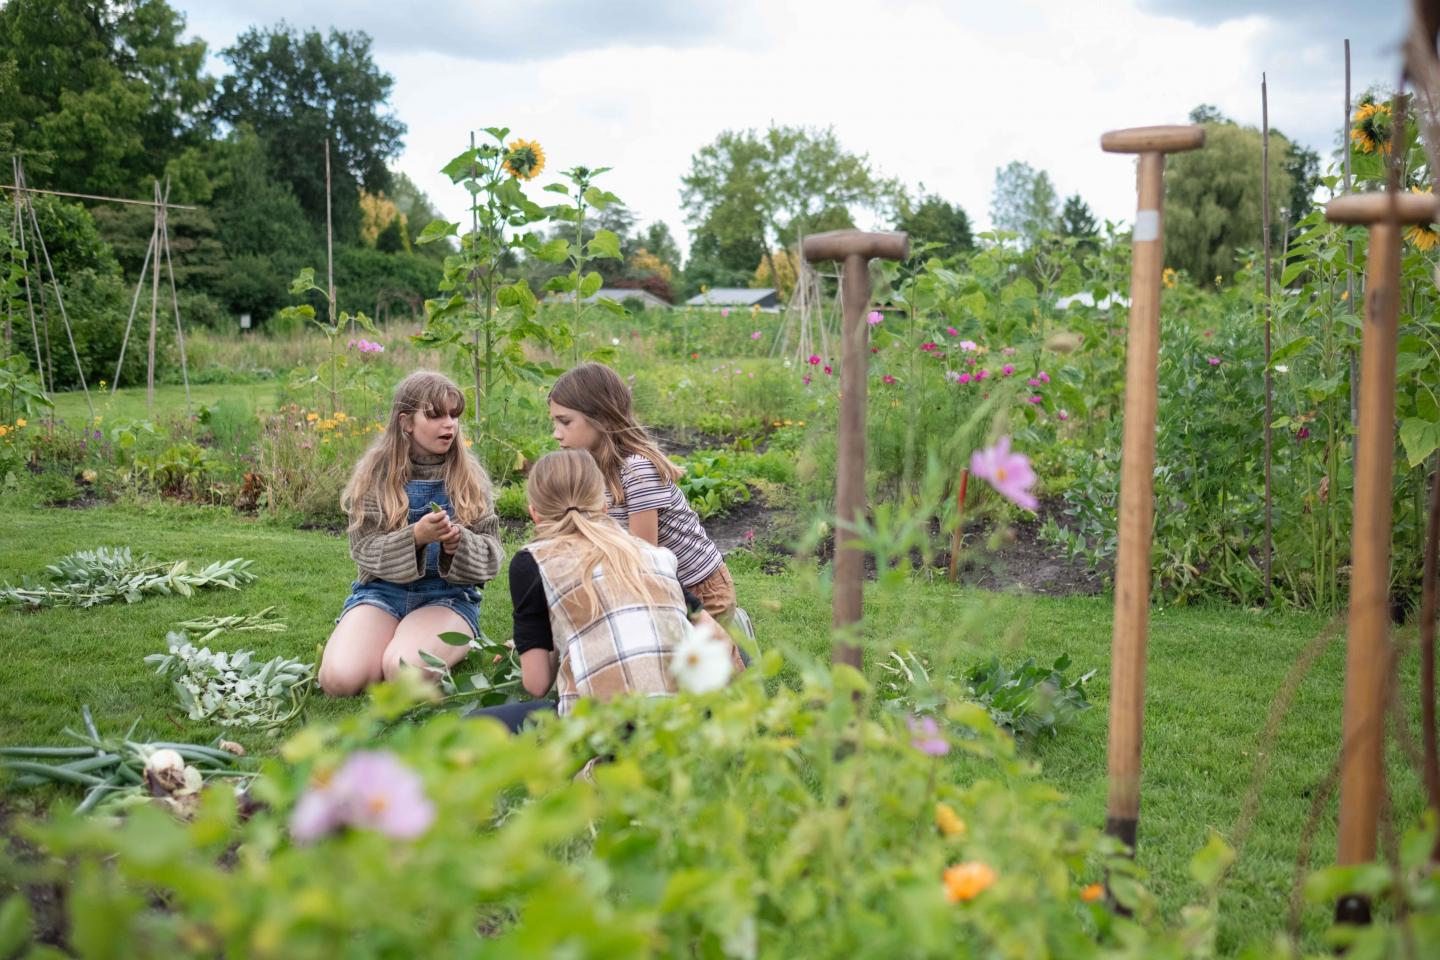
(1212, 676)
(129, 403)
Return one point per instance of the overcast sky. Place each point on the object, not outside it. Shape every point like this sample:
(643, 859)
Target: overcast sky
(939, 92)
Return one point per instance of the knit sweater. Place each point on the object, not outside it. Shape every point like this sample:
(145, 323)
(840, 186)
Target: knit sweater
(394, 556)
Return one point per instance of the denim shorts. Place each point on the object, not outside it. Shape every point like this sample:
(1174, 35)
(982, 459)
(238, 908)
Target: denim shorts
(402, 599)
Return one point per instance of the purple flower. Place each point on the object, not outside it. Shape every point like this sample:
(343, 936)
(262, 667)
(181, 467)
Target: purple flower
(1302, 434)
(925, 736)
(981, 374)
(805, 379)
(888, 379)
(963, 378)
(1062, 415)
(1009, 473)
(1036, 399)
(968, 345)
(373, 790)
(1044, 377)
(814, 360)
(1214, 361)
(756, 335)
(1008, 369)
(1033, 381)
(952, 376)
(952, 331)
(875, 317)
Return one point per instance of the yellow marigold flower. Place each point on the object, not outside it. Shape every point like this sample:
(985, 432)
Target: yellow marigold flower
(19, 421)
(312, 417)
(525, 159)
(948, 820)
(340, 415)
(966, 881)
(3, 429)
(469, 444)
(1092, 893)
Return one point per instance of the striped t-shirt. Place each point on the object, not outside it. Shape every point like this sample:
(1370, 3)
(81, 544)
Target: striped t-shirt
(677, 524)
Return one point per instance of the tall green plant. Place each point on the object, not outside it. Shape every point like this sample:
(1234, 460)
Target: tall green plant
(604, 245)
(304, 284)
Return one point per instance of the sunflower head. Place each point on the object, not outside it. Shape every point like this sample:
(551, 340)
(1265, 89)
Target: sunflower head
(1422, 235)
(1374, 124)
(524, 160)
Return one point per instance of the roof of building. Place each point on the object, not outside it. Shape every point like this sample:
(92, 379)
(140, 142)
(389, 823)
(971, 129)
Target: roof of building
(730, 296)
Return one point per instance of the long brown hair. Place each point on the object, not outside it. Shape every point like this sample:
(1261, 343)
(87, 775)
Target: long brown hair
(598, 394)
(378, 483)
(567, 493)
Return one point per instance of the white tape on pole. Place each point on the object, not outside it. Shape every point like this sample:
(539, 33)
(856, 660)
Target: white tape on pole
(1147, 226)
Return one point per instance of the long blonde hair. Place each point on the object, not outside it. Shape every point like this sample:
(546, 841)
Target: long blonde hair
(598, 394)
(378, 483)
(567, 493)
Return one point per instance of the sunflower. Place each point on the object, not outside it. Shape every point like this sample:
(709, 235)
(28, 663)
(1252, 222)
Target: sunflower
(1423, 235)
(525, 159)
(1373, 125)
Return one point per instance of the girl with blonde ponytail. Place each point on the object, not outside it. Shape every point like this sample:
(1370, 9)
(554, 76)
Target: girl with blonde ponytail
(597, 610)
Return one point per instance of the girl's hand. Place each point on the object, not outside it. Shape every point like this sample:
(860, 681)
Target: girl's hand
(431, 528)
(450, 541)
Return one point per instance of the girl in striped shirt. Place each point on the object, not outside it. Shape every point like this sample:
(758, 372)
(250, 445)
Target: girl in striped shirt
(591, 409)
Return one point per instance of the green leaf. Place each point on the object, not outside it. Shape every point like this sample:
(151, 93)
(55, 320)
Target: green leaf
(461, 167)
(1293, 271)
(1420, 439)
(1210, 864)
(436, 229)
(559, 188)
(15, 925)
(1289, 350)
(553, 251)
(561, 284)
(974, 302)
(605, 244)
(592, 282)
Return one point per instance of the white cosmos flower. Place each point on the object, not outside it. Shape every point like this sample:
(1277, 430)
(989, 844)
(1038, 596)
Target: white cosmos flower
(700, 662)
(1281, 368)
(614, 341)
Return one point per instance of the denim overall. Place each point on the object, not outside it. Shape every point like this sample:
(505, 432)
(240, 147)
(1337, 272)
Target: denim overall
(401, 599)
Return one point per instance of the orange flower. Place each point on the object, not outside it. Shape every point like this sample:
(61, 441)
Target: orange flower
(966, 881)
(1092, 892)
(948, 820)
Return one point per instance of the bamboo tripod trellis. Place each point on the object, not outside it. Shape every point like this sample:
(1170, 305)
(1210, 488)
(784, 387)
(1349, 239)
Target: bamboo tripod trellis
(809, 317)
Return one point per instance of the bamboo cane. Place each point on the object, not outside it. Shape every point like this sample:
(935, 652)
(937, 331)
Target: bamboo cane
(1137, 469)
(959, 524)
(1367, 652)
(854, 250)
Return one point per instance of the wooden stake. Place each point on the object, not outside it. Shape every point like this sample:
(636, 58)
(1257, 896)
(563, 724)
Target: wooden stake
(959, 524)
(154, 315)
(1269, 374)
(854, 250)
(1367, 653)
(330, 245)
(1350, 249)
(174, 298)
(1137, 469)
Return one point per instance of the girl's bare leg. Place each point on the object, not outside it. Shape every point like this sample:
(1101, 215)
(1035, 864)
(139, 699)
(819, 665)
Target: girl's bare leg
(421, 631)
(354, 654)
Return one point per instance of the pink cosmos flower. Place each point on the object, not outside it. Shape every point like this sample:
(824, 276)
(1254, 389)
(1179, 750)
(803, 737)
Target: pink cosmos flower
(952, 331)
(725, 312)
(1008, 351)
(981, 374)
(814, 360)
(1033, 382)
(1009, 473)
(756, 335)
(968, 345)
(875, 317)
(1044, 377)
(963, 378)
(373, 790)
(970, 361)
(827, 369)
(952, 376)
(1034, 399)
(1062, 415)
(1008, 369)
(927, 347)
(925, 736)
(888, 379)
(1214, 361)
(805, 379)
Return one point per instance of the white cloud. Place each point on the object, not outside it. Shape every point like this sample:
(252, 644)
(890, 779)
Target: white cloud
(939, 92)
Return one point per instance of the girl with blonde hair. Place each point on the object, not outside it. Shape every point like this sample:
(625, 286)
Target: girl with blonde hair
(424, 537)
(598, 612)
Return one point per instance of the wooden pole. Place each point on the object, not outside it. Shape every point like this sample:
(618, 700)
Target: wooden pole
(154, 316)
(1350, 250)
(29, 296)
(854, 250)
(959, 524)
(59, 300)
(1269, 374)
(1137, 470)
(174, 297)
(134, 305)
(1367, 655)
(330, 245)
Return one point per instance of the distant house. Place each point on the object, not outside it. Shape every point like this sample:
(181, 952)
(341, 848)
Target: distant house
(766, 298)
(1087, 299)
(619, 295)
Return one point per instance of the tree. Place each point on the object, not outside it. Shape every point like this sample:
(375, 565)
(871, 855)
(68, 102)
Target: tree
(768, 189)
(1024, 202)
(99, 96)
(937, 221)
(1077, 219)
(296, 90)
(657, 240)
(1212, 199)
